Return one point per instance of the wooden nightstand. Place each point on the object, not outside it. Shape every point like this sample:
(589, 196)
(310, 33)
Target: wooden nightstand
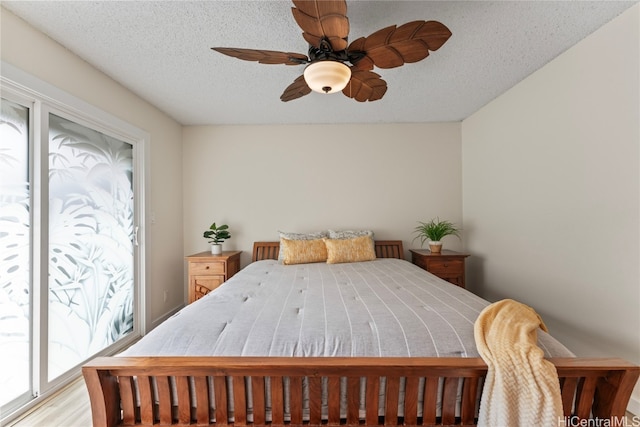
(448, 265)
(207, 271)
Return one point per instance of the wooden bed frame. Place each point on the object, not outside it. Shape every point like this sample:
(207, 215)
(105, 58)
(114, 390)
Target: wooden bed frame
(186, 391)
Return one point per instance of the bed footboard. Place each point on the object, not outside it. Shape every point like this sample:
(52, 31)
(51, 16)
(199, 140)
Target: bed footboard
(239, 391)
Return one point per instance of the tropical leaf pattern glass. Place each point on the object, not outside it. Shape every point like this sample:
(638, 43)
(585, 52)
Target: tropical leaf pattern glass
(14, 251)
(91, 227)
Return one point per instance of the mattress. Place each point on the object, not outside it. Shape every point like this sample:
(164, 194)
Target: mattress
(382, 308)
(385, 307)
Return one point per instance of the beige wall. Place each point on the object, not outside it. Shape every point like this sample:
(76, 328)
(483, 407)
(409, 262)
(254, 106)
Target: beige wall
(551, 193)
(261, 179)
(38, 55)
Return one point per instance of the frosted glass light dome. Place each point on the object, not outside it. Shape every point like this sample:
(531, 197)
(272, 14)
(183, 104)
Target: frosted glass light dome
(327, 76)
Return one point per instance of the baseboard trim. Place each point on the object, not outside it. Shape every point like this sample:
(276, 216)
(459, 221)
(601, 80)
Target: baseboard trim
(164, 317)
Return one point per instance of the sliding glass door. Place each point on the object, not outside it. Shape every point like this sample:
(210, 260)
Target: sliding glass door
(15, 252)
(91, 243)
(68, 247)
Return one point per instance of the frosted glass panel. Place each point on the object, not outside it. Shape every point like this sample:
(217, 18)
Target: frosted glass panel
(91, 225)
(14, 251)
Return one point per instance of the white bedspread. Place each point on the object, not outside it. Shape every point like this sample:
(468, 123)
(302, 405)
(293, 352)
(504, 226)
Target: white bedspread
(386, 307)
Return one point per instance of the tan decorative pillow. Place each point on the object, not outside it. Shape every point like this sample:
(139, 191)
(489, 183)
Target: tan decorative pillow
(303, 251)
(299, 236)
(350, 250)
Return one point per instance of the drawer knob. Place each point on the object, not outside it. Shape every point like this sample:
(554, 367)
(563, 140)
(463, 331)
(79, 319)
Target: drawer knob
(207, 267)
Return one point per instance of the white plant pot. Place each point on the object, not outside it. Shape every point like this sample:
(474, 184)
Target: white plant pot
(435, 247)
(216, 249)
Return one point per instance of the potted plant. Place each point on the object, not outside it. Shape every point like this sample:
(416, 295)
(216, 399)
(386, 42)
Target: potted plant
(216, 235)
(434, 231)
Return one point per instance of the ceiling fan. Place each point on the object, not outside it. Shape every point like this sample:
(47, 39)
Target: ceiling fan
(325, 27)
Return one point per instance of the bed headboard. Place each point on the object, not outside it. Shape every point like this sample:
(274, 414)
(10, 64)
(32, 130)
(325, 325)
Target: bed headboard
(384, 249)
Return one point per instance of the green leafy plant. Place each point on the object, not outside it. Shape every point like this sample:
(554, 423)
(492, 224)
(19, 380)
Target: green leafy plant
(435, 230)
(217, 234)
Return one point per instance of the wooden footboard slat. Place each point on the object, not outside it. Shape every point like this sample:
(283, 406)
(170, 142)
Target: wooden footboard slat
(353, 400)
(333, 400)
(411, 401)
(164, 400)
(372, 396)
(239, 401)
(127, 400)
(258, 398)
(277, 401)
(202, 399)
(146, 399)
(470, 393)
(568, 392)
(430, 401)
(295, 399)
(449, 395)
(391, 400)
(184, 401)
(315, 400)
(584, 397)
(164, 390)
(220, 398)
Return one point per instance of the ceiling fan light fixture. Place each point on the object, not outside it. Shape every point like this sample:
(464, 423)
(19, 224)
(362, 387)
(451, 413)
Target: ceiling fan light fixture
(327, 76)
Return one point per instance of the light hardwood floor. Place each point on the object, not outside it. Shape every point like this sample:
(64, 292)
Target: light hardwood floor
(68, 408)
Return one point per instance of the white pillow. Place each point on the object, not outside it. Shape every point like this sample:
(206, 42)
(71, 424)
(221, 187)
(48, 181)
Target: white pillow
(349, 234)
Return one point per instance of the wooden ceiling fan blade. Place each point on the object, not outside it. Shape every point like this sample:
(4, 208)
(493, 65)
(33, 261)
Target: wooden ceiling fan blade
(264, 56)
(295, 90)
(394, 46)
(365, 86)
(434, 33)
(320, 19)
(364, 63)
(322, 7)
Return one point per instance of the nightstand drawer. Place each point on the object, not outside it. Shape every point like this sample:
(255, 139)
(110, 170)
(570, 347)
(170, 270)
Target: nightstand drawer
(206, 268)
(446, 268)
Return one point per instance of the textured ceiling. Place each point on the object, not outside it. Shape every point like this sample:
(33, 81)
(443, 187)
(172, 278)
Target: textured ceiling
(161, 51)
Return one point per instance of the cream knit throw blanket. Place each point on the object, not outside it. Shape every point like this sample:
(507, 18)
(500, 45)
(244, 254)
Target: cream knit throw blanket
(521, 388)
